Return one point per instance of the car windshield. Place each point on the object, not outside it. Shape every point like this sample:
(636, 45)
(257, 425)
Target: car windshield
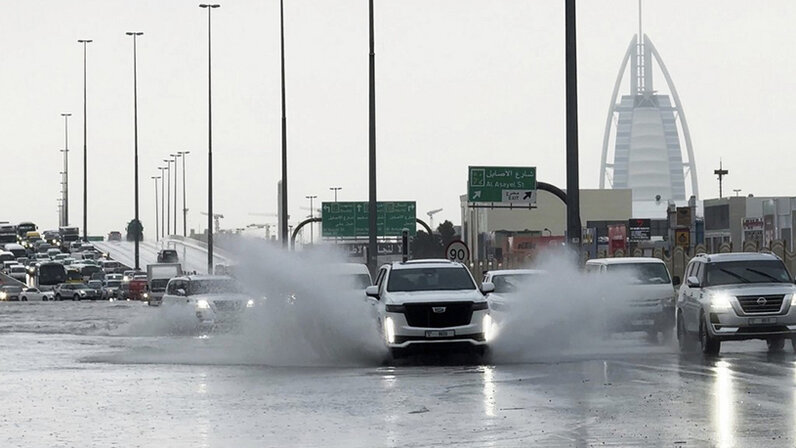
(196, 287)
(737, 272)
(113, 284)
(95, 284)
(507, 283)
(644, 273)
(429, 279)
(357, 281)
(12, 289)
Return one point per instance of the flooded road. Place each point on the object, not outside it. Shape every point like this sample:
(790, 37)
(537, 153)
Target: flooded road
(107, 374)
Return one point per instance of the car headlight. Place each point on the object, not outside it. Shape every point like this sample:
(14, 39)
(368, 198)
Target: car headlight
(3, 295)
(389, 330)
(721, 302)
(203, 304)
(489, 330)
(146, 295)
(792, 299)
(250, 303)
(81, 292)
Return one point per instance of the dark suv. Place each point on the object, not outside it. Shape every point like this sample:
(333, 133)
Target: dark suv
(168, 256)
(736, 296)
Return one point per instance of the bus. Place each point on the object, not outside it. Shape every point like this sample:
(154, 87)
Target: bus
(48, 275)
(24, 227)
(68, 235)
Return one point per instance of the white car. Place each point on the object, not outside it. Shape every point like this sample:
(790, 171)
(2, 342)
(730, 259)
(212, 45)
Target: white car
(36, 295)
(18, 272)
(209, 299)
(431, 303)
(509, 285)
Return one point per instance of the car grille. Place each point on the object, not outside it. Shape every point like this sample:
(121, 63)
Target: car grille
(422, 314)
(749, 304)
(227, 305)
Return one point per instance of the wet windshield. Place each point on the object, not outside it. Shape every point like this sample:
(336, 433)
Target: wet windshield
(644, 273)
(510, 282)
(429, 279)
(357, 281)
(738, 272)
(197, 287)
(113, 284)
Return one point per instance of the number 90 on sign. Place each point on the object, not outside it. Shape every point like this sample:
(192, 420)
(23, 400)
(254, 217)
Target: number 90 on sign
(457, 251)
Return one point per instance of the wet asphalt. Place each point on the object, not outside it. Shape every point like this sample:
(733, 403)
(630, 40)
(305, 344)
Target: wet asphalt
(93, 374)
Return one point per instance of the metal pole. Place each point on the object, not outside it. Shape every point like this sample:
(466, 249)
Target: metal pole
(66, 168)
(209, 141)
(372, 248)
(136, 223)
(184, 209)
(157, 231)
(168, 196)
(335, 189)
(312, 215)
(573, 185)
(175, 193)
(85, 42)
(162, 201)
(283, 231)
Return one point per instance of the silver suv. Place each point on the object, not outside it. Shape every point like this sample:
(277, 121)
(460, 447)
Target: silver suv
(737, 296)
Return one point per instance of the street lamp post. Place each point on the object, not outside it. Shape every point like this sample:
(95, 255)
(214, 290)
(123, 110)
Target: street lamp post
(175, 193)
(573, 182)
(283, 229)
(162, 201)
(137, 225)
(85, 42)
(157, 231)
(312, 215)
(209, 8)
(168, 196)
(335, 189)
(184, 209)
(372, 248)
(66, 169)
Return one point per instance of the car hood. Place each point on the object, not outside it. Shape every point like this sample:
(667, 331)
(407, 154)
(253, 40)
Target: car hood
(653, 291)
(470, 295)
(757, 289)
(217, 297)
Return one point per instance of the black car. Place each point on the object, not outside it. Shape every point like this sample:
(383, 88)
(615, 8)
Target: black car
(168, 256)
(10, 293)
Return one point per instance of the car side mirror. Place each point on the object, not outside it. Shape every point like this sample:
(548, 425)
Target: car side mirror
(676, 280)
(181, 292)
(487, 287)
(372, 291)
(693, 282)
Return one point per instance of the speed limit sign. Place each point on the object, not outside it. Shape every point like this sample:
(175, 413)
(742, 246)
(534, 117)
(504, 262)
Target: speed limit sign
(457, 251)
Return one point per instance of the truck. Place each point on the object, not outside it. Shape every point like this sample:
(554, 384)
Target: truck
(68, 235)
(158, 276)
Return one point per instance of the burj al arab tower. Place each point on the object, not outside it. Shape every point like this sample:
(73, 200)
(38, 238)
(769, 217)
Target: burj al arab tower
(642, 147)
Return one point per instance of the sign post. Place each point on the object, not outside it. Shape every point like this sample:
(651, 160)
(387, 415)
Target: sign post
(457, 251)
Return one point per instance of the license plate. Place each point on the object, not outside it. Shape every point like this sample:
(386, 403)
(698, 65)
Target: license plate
(762, 320)
(440, 333)
(643, 322)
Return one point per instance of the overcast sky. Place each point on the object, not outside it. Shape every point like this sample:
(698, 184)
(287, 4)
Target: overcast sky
(459, 82)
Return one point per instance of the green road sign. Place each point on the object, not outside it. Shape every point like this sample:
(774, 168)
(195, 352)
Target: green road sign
(501, 184)
(350, 219)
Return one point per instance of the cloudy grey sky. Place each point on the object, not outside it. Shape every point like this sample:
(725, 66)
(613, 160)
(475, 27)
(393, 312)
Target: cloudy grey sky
(459, 82)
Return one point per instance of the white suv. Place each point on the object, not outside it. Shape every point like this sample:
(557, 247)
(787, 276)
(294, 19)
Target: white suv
(212, 300)
(431, 302)
(736, 296)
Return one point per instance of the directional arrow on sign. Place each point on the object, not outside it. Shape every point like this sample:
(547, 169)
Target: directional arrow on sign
(477, 194)
(527, 195)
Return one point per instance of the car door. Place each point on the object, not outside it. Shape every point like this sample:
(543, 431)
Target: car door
(691, 296)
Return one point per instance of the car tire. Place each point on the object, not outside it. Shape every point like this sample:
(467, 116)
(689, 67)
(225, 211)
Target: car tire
(58, 297)
(709, 345)
(24, 299)
(685, 341)
(775, 345)
(76, 298)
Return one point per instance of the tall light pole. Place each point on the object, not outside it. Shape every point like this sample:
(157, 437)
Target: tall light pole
(372, 248)
(209, 8)
(168, 196)
(175, 193)
(85, 42)
(162, 201)
(66, 168)
(283, 231)
(184, 209)
(573, 182)
(335, 189)
(157, 231)
(312, 215)
(137, 224)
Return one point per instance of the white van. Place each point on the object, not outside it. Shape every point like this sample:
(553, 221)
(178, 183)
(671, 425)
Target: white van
(650, 294)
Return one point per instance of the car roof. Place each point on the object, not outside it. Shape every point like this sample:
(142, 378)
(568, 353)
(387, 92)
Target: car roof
(624, 260)
(497, 272)
(737, 256)
(203, 277)
(349, 268)
(427, 263)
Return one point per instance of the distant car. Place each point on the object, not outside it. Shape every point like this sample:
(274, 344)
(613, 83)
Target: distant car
(508, 291)
(10, 293)
(74, 291)
(110, 277)
(53, 252)
(36, 295)
(96, 286)
(115, 236)
(210, 300)
(7, 266)
(18, 272)
(168, 256)
(42, 257)
(111, 289)
(75, 246)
